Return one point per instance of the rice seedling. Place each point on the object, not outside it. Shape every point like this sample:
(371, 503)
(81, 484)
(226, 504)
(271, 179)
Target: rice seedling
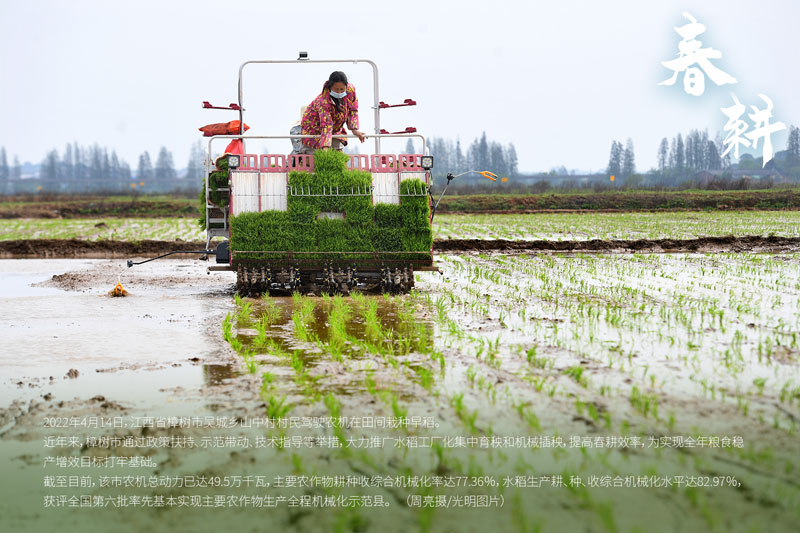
(425, 377)
(261, 339)
(334, 406)
(529, 417)
(249, 360)
(369, 383)
(643, 402)
(227, 327)
(576, 373)
(466, 417)
(397, 410)
(267, 379)
(276, 406)
(271, 312)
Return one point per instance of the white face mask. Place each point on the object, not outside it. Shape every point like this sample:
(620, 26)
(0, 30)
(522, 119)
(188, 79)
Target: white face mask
(339, 95)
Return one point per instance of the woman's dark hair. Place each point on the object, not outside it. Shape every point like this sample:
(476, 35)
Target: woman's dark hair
(335, 77)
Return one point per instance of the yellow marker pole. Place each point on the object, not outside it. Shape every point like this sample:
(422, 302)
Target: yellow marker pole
(612, 177)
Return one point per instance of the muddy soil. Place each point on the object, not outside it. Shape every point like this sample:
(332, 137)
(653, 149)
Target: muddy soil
(77, 206)
(620, 201)
(57, 316)
(75, 248)
(700, 245)
(71, 351)
(72, 207)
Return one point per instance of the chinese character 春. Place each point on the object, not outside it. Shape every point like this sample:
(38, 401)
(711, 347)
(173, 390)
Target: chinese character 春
(691, 53)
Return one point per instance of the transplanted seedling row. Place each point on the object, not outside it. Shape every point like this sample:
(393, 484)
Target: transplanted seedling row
(647, 345)
(636, 225)
(96, 229)
(554, 346)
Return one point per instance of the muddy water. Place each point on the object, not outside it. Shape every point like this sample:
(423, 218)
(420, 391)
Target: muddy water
(73, 351)
(54, 322)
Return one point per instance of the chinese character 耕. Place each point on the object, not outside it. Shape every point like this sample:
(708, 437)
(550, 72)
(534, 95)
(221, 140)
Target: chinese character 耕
(737, 128)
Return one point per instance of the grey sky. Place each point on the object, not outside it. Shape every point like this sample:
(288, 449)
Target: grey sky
(560, 80)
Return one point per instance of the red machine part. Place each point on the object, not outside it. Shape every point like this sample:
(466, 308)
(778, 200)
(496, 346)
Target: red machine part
(222, 128)
(305, 162)
(407, 130)
(234, 107)
(406, 102)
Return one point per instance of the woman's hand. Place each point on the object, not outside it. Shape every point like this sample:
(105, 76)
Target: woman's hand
(360, 135)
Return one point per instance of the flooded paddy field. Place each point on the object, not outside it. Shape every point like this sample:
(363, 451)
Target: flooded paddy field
(518, 391)
(103, 228)
(619, 226)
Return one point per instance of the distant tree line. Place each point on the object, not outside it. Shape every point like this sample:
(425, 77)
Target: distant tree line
(698, 152)
(680, 164)
(83, 162)
(96, 162)
(482, 154)
(682, 159)
(676, 159)
(164, 168)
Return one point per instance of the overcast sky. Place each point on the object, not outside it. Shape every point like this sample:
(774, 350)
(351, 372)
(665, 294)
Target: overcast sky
(560, 80)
